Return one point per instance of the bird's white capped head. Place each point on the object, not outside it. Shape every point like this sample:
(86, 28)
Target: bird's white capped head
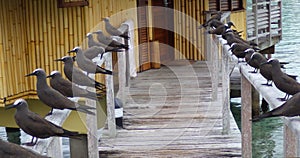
(19, 101)
(36, 72)
(269, 60)
(98, 32)
(89, 34)
(75, 49)
(19, 104)
(233, 44)
(54, 72)
(249, 50)
(253, 55)
(228, 30)
(106, 19)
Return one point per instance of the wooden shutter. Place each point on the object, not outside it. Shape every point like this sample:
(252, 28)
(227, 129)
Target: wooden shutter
(144, 55)
(236, 4)
(224, 5)
(213, 5)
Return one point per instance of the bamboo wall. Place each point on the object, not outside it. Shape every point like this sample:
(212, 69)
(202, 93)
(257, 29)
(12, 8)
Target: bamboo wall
(189, 41)
(35, 32)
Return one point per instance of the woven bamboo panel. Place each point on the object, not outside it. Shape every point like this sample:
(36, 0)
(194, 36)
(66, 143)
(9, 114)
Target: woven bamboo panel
(34, 33)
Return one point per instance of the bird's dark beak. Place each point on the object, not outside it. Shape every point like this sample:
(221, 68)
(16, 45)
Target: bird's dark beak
(74, 58)
(58, 60)
(230, 49)
(10, 107)
(71, 51)
(31, 74)
(49, 76)
(233, 26)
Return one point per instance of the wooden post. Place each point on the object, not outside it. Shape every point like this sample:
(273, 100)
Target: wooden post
(290, 141)
(110, 98)
(122, 75)
(225, 92)
(246, 116)
(91, 122)
(255, 102)
(79, 147)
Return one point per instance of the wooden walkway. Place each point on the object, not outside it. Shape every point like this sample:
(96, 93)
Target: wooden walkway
(169, 113)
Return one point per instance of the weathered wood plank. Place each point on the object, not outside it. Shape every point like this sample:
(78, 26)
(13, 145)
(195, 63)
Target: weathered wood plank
(167, 114)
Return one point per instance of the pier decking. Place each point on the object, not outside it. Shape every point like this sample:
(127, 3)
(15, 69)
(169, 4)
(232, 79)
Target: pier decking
(169, 113)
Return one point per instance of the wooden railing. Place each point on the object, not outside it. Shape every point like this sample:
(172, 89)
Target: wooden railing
(88, 145)
(264, 22)
(222, 63)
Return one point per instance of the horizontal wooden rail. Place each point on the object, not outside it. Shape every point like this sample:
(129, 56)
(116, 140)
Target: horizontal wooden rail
(270, 94)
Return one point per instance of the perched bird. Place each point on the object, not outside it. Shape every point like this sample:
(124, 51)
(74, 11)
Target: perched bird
(221, 29)
(75, 75)
(210, 22)
(35, 125)
(238, 50)
(114, 31)
(92, 43)
(282, 81)
(266, 72)
(93, 52)
(11, 150)
(86, 64)
(214, 23)
(248, 53)
(53, 98)
(109, 41)
(289, 109)
(233, 38)
(256, 60)
(67, 88)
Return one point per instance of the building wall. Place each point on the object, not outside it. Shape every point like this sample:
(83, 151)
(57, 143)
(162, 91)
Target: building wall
(189, 40)
(35, 32)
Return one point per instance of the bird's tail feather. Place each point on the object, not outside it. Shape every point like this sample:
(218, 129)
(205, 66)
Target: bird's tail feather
(125, 37)
(68, 133)
(105, 71)
(125, 46)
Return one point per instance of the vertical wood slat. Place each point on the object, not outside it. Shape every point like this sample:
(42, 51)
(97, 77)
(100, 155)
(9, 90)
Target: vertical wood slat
(246, 113)
(194, 30)
(175, 19)
(183, 30)
(2, 50)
